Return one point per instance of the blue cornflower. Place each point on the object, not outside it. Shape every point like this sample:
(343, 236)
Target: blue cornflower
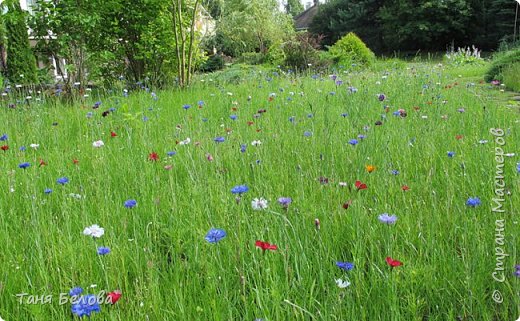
(344, 115)
(310, 115)
(307, 133)
(243, 148)
(381, 97)
(186, 107)
(89, 114)
(361, 136)
(233, 117)
(285, 201)
(451, 154)
(97, 104)
(353, 142)
(47, 191)
(4, 137)
(291, 119)
(204, 119)
(347, 266)
(473, 202)
(387, 219)
(62, 180)
(23, 148)
(86, 305)
(239, 189)
(396, 113)
(24, 165)
(339, 82)
(200, 103)
(214, 235)
(130, 203)
(394, 172)
(102, 250)
(353, 89)
(171, 153)
(314, 77)
(518, 168)
(75, 291)
(219, 139)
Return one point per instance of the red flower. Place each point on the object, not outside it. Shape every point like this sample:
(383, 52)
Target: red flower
(360, 185)
(405, 187)
(347, 204)
(393, 263)
(153, 156)
(42, 163)
(75, 161)
(114, 296)
(4, 148)
(250, 123)
(113, 134)
(265, 246)
(459, 137)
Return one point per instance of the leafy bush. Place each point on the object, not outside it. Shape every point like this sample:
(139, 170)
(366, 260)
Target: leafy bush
(510, 76)
(275, 54)
(464, 56)
(501, 63)
(214, 63)
(302, 51)
(251, 58)
(351, 50)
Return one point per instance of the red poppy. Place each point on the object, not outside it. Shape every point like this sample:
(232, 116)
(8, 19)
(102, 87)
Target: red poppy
(266, 246)
(393, 263)
(347, 204)
(459, 137)
(113, 134)
(405, 187)
(250, 123)
(75, 161)
(114, 296)
(4, 148)
(360, 185)
(42, 162)
(153, 156)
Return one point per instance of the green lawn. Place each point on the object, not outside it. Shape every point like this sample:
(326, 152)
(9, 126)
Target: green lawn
(159, 257)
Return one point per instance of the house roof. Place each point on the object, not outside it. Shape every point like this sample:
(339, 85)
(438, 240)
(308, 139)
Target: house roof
(304, 19)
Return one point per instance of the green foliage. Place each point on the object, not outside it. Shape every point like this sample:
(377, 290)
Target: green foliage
(510, 76)
(214, 63)
(251, 58)
(464, 56)
(302, 51)
(252, 26)
(351, 50)
(501, 63)
(21, 62)
(294, 7)
(275, 56)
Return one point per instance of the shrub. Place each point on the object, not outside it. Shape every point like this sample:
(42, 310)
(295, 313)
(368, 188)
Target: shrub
(302, 51)
(501, 63)
(214, 63)
(275, 54)
(510, 76)
(351, 50)
(464, 56)
(251, 58)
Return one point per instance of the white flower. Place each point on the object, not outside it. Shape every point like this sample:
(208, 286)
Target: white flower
(424, 117)
(482, 141)
(185, 142)
(98, 143)
(256, 143)
(94, 231)
(76, 196)
(510, 155)
(342, 184)
(34, 146)
(1, 319)
(259, 204)
(342, 284)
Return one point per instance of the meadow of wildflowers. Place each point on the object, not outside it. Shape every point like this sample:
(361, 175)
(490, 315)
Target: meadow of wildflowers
(282, 198)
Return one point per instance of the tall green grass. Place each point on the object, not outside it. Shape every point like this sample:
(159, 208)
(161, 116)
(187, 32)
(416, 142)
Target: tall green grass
(160, 260)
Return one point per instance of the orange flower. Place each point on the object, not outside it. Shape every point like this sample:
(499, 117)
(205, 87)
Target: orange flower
(370, 168)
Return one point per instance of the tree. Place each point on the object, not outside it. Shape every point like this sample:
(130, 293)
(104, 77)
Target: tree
(337, 18)
(3, 40)
(252, 26)
(21, 63)
(293, 7)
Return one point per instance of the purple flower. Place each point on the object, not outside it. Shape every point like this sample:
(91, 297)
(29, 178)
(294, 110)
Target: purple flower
(186, 107)
(347, 266)
(353, 142)
(214, 235)
(243, 148)
(233, 117)
(381, 97)
(103, 250)
(219, 139)
(172, 153)
(307, 133)
(387, 219)
(285, 201)
(473, 202)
